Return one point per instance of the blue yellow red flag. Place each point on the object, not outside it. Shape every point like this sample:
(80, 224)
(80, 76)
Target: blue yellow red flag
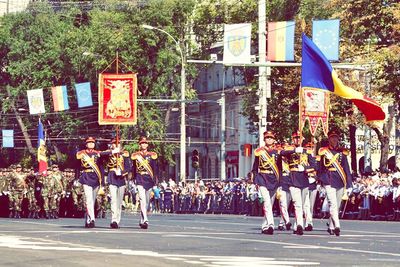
(41, 154)
(317, 73)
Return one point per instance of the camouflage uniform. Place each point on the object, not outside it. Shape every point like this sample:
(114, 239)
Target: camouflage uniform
(18, 186)
(33, 204)
(47, 193)
(57, 190)
(78, 197)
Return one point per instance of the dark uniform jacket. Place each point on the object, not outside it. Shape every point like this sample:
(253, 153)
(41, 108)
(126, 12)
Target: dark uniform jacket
(267, 167)
(298, 177)
(328, 173)
(91, 172)
(144, 168)
(118, 166)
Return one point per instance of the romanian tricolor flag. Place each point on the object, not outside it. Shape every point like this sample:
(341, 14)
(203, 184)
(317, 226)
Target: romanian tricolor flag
(317, 73)
(60, 98)
(281, 41)
(41, 154)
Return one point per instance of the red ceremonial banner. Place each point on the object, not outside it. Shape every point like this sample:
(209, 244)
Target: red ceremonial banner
(314, 107)
(117, 99)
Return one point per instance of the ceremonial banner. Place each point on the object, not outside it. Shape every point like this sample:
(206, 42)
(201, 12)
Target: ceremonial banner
(325, 35)
(84, 94)
(317, 73)
(8, 138)
(281, 41)
(314, 107)
(237, 38)
(60, 98)
(41, 154)
(35, 101)
(117, 99)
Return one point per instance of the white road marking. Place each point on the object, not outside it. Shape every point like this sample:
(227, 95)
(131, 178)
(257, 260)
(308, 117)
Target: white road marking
(293, 244)
(342, 242)
(18, 242)
(302, 247)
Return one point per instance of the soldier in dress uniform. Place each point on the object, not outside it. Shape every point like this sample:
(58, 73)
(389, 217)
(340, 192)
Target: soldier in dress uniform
(144, 171)
(312, 190)
(266, 174)
(91, 176)
(300, 163)
(118, 168)
(335, 175)
(284, 197)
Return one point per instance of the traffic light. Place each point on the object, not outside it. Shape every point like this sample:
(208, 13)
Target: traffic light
(195, 159)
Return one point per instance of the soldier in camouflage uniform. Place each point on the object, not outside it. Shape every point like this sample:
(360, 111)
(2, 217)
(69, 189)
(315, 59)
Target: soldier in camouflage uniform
(47, 182)
(56, 191)
(102, 202)
(33, 205)
(18, 186)
(78, 197)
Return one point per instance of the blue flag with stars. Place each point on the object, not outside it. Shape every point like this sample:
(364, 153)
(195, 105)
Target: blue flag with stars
(325, 34)
(84, 94)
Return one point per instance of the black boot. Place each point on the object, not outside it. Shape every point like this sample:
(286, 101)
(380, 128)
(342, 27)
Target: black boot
(47, 216)
(11, 214)
(55, 215)
(30, 216)
(36, 215)
(17, 215)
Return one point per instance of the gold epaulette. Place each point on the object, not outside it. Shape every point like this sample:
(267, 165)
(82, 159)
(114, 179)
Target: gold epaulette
(310, 151)
(153, 155)
(289, 147)
(125, 154)
(345, 151)
(134, 155)
(322, 150)
(318, 158)
(79, 154)
(258, 151)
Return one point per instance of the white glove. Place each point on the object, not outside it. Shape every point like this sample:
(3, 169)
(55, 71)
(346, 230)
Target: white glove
(1, 194)
(6, 193)
(299, 150)
(301, 168)
(116, 150)
(328, 156)
(349, 191)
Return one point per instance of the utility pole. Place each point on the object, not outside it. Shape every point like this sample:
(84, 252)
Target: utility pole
(367, 129)
(223, 131)
(264, 83)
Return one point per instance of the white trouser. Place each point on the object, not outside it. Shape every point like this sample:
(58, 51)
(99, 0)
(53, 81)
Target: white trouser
(117, 195)
(268, 197)
(90, 195)
(299, 198)
(334, 197)
(144, 199)
(309, 206)
(284, 201)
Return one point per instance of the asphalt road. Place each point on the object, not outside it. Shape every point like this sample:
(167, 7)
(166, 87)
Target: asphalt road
(194, 240)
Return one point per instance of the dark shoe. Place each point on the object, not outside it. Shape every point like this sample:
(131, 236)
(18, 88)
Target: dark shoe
(17, 215)
(144, 225)
(299, 230)
(336, 231)
(36, 215)
(268, 231)
(330, 231)
(308, 228)
(30, 216)
(280, 227)
(114, 225)
(288, 226)
(103, 215)
(91, 224)
(11, 214)
(55, 215)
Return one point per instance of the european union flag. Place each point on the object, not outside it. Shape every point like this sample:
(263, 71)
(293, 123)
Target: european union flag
(325, 35)
(84, 94)
(8, 138)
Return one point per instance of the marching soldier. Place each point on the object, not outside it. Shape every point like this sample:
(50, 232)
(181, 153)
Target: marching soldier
(300, 163)
(266, 173)
(32, 206)
(145, 171)
(284, 197)
(335, 176)
(118, 168)
(91, 176)
(312, 190)
(47, 186)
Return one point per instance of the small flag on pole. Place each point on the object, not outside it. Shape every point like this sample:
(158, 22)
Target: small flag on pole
(237, 38)
(35, 101)
(325, 35)
(84, 94)
(8, 138)
(41, 154)
(60, 98)
(281, 41)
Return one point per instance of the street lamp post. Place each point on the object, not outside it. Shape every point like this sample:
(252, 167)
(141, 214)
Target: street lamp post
(183, 119)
